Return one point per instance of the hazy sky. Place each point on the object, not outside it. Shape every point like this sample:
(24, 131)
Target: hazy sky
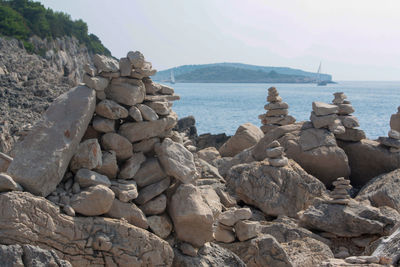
(354, 39)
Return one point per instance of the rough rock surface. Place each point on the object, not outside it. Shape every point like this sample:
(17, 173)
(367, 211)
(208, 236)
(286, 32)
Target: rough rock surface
(387, 248)
(246, 135)
(92, 241)
(383, 190)
(95, 200)
(53, 142)
(368, 159)
(315, 150)
(276, 191)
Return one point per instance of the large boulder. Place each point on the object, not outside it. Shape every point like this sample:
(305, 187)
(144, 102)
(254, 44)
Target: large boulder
(83, 241)
(350, 220)
(315, 150)
(274, 190)
(42, 158)
(387, 248)
(192, 217)
(246, 135)
(383, 190)
(368, 159)
(176, 160)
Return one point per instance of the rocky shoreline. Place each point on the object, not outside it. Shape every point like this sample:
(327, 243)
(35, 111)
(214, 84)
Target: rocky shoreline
(110, 177)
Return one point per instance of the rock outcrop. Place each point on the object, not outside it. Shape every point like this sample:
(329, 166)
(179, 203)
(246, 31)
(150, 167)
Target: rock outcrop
(393, 141)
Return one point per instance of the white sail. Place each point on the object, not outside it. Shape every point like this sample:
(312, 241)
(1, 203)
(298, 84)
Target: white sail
(172, 76)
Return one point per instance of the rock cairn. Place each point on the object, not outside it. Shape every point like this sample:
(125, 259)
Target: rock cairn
(276, 155)
(350, 122)
(325, 116)
(340, 194)
(393, 139)
(277, 112)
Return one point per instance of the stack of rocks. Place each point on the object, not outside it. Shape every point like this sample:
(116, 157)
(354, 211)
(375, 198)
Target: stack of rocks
(350, 122)
(276, 155)
(277, 112)
(340, 194)
(325, 116)
(393, 141)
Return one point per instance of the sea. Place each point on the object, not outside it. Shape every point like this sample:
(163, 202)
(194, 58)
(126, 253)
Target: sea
(222, 107)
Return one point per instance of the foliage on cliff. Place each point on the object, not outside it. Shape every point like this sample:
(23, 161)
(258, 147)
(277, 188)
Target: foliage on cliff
(23, 18)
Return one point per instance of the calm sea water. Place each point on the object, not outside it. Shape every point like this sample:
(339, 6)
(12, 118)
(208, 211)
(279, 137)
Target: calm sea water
(222, 107)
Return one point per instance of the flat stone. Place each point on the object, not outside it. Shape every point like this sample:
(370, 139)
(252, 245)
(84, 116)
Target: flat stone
(126, 91)
(8, 184)
(275, 152)
(147, 112)
(97, 83)
(53, 142)
(395, 122)
(109, 166)
(128, 211)
(345, 109)
(94, 201)
(166, 90)
(279, 162)
(125, 192)
(164, 98)
(161, 108)
(286, 120)
(125, 66)
(5, 161)
(86, 178)
(322, 121)
(274, 99)
(155, 206)
(277, 112)
(146, 145)
(152, 88)
(111, 110)
(151, 191)
(135, 113)
(246, 230)
(224, 234)
(390, 142)
(394, 134)
(353, 135)
(150, 172)
(110, 75)
(322, 109)
(117, 143)
(273, 144)
(232, 216)
(177, 161)
(276, 105)
(103, 125)
(160, 225)
(131, 166)
(105, 64)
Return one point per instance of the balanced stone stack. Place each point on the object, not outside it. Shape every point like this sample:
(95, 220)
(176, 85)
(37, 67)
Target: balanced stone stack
(277, 112)
(340, 194)
(276, 155)
(350, 122)
(325, 116)
(393, 141)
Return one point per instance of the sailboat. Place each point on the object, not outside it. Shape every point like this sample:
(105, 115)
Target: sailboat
(319, 82)
(172, 77)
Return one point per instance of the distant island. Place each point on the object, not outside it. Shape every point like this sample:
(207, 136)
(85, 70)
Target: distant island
(238, 73)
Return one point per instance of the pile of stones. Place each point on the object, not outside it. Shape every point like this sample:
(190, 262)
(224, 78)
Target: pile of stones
(325, 116)
(277, 112)
(350, 122)
(393, 141)
(340, 194)
(276, 155)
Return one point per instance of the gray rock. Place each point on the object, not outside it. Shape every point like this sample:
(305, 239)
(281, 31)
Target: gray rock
(322, 109)
(86, 178)
(353, 135)
(166, 90)
(103, 125)
(155, 206)
(11, 256)
(96, 83)
(345, 109)
(232, 216)
(130, 212)
(135, 113)
(146, 145)
(161, 108)
(117, 143)
(109, 165)
(349, 121)
(8, 184)
(150, 172)
(94, 201)
(53, 142)
(322, 121)
(160, 225)
(131, 166)
(136, 58)
(5, 161)
(387, 248)
(111, 110)
(126, 91)
(105, 64)
(87, 156)
(177, 161)
(125, 66)
(147, 112)
(124, 190)
(390, 142)
(224, 234)
(151, 191)
(246, 230)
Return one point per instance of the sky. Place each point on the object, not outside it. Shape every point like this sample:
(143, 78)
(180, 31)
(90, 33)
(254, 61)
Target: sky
(354, 39)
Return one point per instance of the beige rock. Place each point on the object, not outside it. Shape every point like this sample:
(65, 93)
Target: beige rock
(212, 199)
(279, 162)
(87, 156)
(188, 249)
(124, 190)
(339, 98)
(131, 166)
(151, 191)
(90, 70)
(246, 230)
(128, 211)
(226, 199)
(105, 64)
(8, 184)
(353, 135)
(286, 120)
(111, 110)
(336, 127)
(125, 66)
(138, 131)
(389, 142)
(164, 98)
(53, 142)
(166, 90)
(109, 166)
(322, 109)
(274, 98)
(275, 152)
(246, 136)
(160, 225)
(147, 112)
(177, 161)
(192, 217)
(345, 109)
(146, 145)
(161, 108)
(224, 234)
(5, 161)
(34, 220)
(117, 143)
(322, 121)
(126, 91)
(277, 112)
(86, 178)
(395, 122)
(349, 121)
(94, 201)
(155, 206)
(394, 134)
(136, 58)
(103, 125)
(152, 88)
(232, 216)
(135, 113)
(150, 172)
(208, 154)
(276, 105)
(96, 83)
(110, 75)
